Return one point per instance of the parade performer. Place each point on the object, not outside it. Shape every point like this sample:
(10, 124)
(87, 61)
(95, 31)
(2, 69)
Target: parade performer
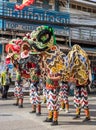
(14, 52)
(18, 92)
(80, 70)
(34, 92)
(44, 42)
(31, 64)
(64, 90)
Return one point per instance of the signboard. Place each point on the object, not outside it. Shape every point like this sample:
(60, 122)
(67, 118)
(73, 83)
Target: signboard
(30, 27)
(33, 13)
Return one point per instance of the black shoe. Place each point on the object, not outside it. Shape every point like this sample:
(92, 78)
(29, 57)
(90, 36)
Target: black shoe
(15, 104)
(38, 114)
(32, 112)
(76, 117)
(48, 120)
(20, 106)
(86, 119)
(54, 123)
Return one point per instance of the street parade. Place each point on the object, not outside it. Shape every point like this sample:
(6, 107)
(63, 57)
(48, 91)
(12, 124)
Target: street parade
(47, 64)
(38, 59)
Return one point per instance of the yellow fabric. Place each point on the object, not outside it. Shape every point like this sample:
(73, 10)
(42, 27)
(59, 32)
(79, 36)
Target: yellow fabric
(50, 114)
(3, 78)
(62, 105)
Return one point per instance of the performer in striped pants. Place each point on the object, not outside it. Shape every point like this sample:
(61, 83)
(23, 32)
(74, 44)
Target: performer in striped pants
(52, 83)
(18, 92)
(64, 97)
(81, 101)
(35, 92)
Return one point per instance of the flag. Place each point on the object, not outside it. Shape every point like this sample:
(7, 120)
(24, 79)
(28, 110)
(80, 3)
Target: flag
(24, 4)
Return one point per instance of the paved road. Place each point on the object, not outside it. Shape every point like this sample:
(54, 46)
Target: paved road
(14, 118)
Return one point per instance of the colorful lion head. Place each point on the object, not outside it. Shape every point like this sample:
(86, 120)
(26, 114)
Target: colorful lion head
(42, 39)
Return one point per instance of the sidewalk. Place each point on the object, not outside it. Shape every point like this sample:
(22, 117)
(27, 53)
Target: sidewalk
(14, 118)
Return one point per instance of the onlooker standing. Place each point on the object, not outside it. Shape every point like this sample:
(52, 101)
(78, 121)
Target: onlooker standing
(1, 88)
(5, 82)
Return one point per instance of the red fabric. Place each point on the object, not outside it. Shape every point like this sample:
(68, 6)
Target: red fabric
(27, 3)
(7, 61)
(12, 47)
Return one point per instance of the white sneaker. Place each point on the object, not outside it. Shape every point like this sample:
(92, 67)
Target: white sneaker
(42, 103)
(66, 111)
(61, 109)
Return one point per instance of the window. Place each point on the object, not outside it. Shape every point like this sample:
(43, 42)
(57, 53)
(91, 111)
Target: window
(89, 10)
(94, 11)
(73, 6)
(84, 9)
(78, 7)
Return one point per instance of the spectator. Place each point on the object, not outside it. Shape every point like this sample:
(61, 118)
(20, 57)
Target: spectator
(5, 82)
(1, 88)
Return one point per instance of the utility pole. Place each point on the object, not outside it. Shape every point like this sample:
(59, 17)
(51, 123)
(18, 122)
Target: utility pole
(56, 5)
(68, 9)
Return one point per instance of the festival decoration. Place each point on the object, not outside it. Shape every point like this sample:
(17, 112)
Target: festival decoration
(24, 4)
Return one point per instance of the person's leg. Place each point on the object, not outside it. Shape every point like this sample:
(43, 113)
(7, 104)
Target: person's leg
(84, 102)
(77, 98)
(21, 102)
(17, 102)
(38, 104)
(32, 98)
(33, 108)
(6, 91)
(55, 107)
(66, 101)
(50, 111)
(16, 95)
(20, 96)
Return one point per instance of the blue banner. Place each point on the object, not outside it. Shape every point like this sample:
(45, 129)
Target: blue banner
(33, 13)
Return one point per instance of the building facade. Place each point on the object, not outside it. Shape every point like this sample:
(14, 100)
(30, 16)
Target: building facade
(74, 22)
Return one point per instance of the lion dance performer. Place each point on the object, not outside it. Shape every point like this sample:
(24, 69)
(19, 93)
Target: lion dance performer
(32, 66)
(35, 86)
(45, 43)
(15, 55)
(64, 89)
(80, 71)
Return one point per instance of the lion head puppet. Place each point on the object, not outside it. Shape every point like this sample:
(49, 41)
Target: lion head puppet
(43, 42)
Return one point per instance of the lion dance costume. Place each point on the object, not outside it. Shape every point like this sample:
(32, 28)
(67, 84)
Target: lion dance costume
(15, 48)
(80, 70)
(43, 42)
